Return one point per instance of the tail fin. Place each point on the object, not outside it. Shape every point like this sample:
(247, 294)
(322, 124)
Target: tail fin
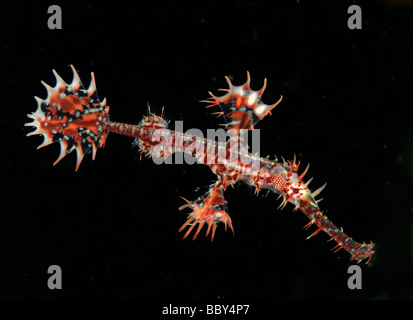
(71, 115)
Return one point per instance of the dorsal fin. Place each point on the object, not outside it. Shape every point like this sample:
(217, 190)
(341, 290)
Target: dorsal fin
(241, 106)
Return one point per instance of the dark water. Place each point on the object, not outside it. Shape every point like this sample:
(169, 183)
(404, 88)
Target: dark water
(112, 226)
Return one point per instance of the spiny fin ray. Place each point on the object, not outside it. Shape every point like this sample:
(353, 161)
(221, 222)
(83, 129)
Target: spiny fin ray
(72, 116)
(241, 106)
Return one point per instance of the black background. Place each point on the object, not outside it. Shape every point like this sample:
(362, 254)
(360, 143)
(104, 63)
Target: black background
(112, 226)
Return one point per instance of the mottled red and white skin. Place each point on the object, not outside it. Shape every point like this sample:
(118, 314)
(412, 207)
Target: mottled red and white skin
(78, 120)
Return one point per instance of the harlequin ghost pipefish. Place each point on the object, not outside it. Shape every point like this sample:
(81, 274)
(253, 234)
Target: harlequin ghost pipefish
(74, 117)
